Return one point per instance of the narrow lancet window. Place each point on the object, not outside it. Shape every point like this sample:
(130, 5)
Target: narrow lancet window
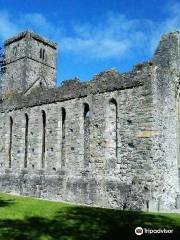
(43, 56)
(86, 134)
(41, 53)
(26, 139)
(63, 140)
(43, 138)
(113, 127)
(10, 141)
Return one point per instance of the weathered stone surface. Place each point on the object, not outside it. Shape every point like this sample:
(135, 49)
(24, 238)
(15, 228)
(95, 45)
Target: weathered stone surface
(30, 59)
(111, 142)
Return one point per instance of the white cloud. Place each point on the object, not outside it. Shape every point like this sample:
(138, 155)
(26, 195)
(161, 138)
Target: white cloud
(8, 27)
(170, 24)
(40, 23)
(113, 37)
(120, 37)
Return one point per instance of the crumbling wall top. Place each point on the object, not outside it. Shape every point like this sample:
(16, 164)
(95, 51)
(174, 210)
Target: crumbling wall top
(107, 81)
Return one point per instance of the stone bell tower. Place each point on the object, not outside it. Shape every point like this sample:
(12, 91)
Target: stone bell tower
(30, 61)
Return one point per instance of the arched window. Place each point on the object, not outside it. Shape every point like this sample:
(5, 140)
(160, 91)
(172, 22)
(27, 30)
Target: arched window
(63, 116)
(43, 138)
(86, 110)
(41, 53)
(86, 134)
(10, 141)
(15, 50)
(63, 140)
(112, 126)
(26, 139)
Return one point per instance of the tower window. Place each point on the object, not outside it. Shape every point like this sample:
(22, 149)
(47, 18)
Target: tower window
(42, 53)
(14, 50)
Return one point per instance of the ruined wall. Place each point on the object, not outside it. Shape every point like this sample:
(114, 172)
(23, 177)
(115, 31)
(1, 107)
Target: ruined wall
(165, 84)
(109, 142)
(104, 156)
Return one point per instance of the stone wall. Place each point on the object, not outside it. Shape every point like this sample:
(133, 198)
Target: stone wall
(109, 142)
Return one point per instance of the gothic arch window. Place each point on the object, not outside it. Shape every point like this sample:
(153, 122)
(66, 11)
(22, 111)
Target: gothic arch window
(63, 138)
(43, 138)
(113, 101)
(15, 50)
(112, 127)
(43, 56)
(41, 53)
(10, 140)
(26, 139)
(86, 111)
(86, 134)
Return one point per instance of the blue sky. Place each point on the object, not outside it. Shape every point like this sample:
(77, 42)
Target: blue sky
(93, 36)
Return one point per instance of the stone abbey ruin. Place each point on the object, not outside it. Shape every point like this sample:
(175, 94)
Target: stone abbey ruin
(112, 142)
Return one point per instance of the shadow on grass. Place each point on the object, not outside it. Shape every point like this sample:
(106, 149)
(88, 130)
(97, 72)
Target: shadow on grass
(82, 223)
(6, 203)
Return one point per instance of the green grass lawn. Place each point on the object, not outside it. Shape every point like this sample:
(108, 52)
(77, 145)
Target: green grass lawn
(24, 218)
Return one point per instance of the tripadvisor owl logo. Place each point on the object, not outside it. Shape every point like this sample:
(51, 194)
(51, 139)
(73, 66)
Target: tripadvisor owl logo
(138, 230)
